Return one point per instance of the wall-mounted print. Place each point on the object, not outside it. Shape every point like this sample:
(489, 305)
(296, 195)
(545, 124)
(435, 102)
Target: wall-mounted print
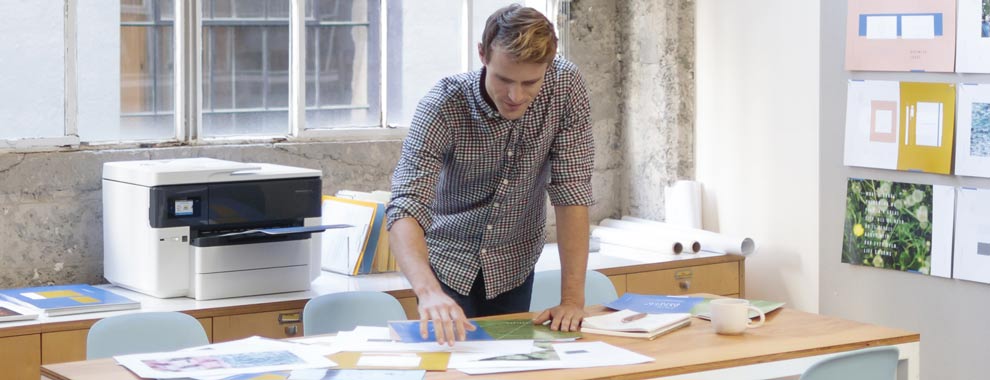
(901, 35)
(973, 131)
(899, 226)
(971, 260)
(973, 36)
(900, 125)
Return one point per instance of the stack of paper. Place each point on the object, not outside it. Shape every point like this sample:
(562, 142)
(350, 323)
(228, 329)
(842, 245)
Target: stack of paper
(363, 248)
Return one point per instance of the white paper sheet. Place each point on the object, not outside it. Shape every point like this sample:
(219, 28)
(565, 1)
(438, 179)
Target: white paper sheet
(597, 354)
(943, 210)
(389, 360)
(881, 27)
(872, 117)
(973, 130)
(214, 362)
(682, 204)
(341, 248)
(971, 260)
(928, 127)
(972, 47)
(918, 27)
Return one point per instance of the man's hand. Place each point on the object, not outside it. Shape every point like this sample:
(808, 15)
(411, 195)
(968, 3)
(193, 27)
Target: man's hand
(565, 317)
(449, 321)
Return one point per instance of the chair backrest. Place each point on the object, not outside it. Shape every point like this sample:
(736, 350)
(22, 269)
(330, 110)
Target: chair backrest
(598, 289)
(143, 332)
(335, 312)
(876, 363)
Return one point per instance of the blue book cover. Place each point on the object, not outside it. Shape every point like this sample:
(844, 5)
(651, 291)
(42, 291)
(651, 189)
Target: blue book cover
(68, 299)
(408, 332)
(654, 304)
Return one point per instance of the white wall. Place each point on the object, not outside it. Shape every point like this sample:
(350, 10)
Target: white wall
(757, 138)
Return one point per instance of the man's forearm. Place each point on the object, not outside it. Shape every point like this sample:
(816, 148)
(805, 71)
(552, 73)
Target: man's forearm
(407, 242)
(572, 243)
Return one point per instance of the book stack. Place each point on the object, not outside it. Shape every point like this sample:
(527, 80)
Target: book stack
(362, 248)
(67, 299)
(10, 312)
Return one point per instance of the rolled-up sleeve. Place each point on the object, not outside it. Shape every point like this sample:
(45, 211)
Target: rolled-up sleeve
(572, 152)
(415, 178)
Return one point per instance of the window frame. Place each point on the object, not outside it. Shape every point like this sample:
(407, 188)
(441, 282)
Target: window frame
(188, 95)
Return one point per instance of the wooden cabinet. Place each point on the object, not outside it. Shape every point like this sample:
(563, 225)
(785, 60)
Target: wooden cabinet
(411, 306)
(619, 281)
(272, 324)
(20, 357)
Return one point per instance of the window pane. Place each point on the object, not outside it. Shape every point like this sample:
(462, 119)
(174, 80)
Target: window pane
(245, 68)
(98, 83)
(32, 61)
(424, 45)
(146, 72)
(343, 65)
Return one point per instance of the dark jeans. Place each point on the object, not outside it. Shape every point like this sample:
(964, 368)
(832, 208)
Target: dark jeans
(475, 305)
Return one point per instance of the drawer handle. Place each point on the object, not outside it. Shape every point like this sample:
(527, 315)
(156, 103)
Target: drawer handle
(289, 318)
(291, 330)
(684, 284)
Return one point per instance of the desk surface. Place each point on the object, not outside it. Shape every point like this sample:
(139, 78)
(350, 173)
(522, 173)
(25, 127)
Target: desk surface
(788, 334)
(611, 260)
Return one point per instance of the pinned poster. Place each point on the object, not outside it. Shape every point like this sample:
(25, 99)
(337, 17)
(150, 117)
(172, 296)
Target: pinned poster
(899, 226)
(972, 242)
(973, 131)
(900, 126)
(901, 35)
(973, 37)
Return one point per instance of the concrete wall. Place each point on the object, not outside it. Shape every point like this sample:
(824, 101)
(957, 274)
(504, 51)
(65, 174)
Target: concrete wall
(50, 203)
(950, 314)
(757, 130)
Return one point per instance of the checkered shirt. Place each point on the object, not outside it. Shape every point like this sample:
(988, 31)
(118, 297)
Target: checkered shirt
(476, 182)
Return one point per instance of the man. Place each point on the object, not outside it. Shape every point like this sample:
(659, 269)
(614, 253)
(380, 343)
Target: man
(468, 210)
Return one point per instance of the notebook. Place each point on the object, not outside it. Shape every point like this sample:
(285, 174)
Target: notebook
(68, 299)
(648, 326)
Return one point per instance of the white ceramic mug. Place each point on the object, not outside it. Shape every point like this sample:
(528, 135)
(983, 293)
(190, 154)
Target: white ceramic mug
(730, 316)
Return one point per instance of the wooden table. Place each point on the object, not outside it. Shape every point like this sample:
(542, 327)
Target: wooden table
(789, 336)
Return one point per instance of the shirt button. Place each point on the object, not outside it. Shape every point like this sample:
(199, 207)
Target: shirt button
(489, 227)
(496, 204)
(510, 153)
(505, 182)
(484, 250)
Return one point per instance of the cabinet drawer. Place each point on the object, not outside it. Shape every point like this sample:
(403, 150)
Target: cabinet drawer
(273, 324)
(720, 279)
(20, 357)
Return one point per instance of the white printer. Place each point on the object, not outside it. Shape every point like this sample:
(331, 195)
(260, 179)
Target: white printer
(207, 228)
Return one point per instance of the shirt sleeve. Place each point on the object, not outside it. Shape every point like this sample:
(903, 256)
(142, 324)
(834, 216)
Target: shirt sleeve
(572, 152)
(414, 181)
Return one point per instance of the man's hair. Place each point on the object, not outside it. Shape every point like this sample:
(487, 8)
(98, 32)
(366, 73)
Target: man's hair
(522, 32)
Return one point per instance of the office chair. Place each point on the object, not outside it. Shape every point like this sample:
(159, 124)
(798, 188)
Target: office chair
(335, 312)
(598, 289)
(143, 332)
(876, 363)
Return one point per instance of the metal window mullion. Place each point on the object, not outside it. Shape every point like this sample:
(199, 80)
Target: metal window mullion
(383, 66)
(187, 92)
(264, 67)
(71, 93)
(297, 67)
(316, 62)
(232, 53)
(154, 57)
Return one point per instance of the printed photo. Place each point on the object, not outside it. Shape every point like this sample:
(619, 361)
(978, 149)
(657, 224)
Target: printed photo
(888, 225)
(985, 20)
(206, 362)
(979, 137)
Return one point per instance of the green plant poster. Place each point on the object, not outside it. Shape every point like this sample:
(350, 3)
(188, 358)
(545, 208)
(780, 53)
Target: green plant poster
(889, 225)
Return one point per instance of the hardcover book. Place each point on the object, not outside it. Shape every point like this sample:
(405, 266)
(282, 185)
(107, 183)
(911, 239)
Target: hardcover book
(626, 323)
(654, 304)
(408, 331)
(68, 299)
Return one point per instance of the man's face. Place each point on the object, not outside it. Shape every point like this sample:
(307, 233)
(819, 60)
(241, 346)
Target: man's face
(510, 84)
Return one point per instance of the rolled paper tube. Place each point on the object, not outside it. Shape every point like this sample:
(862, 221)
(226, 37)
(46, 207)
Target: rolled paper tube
(710, 241)
(691, 245)
(637, 240)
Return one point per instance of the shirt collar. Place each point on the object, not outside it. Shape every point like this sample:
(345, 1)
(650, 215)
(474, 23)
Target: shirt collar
(479, 99)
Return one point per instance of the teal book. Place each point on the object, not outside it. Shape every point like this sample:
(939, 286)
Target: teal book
(654, 304)
(703, 309)
(68, 299)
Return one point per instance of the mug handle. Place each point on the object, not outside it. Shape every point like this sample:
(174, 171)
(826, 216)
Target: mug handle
(763, 318)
